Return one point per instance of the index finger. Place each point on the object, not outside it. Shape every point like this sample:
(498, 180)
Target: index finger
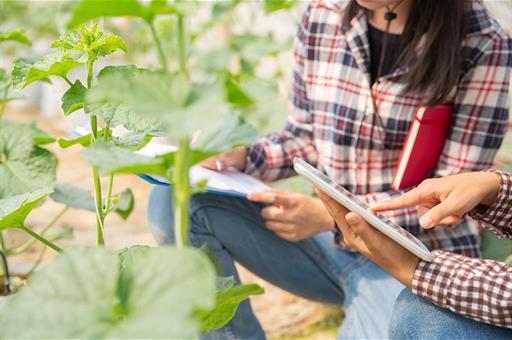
(410, 199)
(270, 197)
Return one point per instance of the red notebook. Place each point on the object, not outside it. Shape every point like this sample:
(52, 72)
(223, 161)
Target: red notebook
(423, 145)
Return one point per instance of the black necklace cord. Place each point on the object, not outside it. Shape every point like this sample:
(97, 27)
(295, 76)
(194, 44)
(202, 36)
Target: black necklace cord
(7, 276)
(389, 16)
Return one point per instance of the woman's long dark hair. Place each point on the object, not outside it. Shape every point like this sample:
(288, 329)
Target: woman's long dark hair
(442, 25)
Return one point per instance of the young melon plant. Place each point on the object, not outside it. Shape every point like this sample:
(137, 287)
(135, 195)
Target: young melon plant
(131, 300)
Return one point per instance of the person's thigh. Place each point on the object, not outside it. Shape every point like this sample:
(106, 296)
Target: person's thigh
(369, 299)
(416, 318)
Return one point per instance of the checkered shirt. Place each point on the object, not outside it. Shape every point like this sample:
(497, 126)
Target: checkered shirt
(478, 289)
(332, 124)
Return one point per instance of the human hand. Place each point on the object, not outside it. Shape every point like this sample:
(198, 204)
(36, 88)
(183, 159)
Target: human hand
(236, 158)
(360, 236)
(293, 217)
(443, 201)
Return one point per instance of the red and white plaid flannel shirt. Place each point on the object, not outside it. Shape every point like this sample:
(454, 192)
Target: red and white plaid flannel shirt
(332, 123)
(478, 289)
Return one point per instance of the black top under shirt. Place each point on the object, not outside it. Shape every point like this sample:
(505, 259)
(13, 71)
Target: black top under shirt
(376, 39)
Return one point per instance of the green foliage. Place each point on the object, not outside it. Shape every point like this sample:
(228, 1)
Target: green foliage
(277, 5)
(73, 197)
(73, 98)
(6, 93)
(92, 9)
(110, 159)
(90, 42)
(226, 304)
(56, 64)
(24, 165)
(15, 209)
(92, 293)
(17, 36)
(123, 203)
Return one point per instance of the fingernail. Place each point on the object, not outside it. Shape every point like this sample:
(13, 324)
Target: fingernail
(219, 165)
(426, 221)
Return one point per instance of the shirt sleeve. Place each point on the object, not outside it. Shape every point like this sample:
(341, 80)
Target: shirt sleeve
(480, 122)
(475, 288)
(498, 217)
(271, 158)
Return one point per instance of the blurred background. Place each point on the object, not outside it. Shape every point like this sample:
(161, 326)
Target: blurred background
(250, 41)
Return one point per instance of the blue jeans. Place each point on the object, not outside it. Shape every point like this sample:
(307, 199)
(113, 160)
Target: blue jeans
(314, 268)
(417, 318)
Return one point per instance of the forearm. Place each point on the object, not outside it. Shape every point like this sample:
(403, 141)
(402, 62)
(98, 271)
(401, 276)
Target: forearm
(478, 289)
(271, 158)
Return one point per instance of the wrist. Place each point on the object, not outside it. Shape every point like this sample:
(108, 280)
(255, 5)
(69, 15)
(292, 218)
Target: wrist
(492, 183)
(406, 271)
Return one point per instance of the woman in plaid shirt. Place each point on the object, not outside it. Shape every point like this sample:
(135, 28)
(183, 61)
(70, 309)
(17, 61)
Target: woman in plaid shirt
(480, 290)
(350, 110)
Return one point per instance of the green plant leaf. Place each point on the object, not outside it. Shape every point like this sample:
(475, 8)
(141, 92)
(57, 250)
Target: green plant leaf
(91, 42)
(227, 302)
(74, 97)
(5, 84)
(133, 140)
(236, 95)
(121, 71)
(277, 5)
(123, 203)
(230, 132)
(86, 293)
(84, 140)
(73, 197)
(127, 255)
(15, 209)
(24, 165)
(54, 64)
(495, 248)
(110, 159)
(89, 10)
(17, 36)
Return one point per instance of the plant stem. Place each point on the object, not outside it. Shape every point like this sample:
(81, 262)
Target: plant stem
(181, 191)
(25, 246)
(182, 45)
(42, 239)
(2, 242)
(70, 83)
(99, 209)
(96, 178)
(7, 276)
(4, 100)
(109, 195)
(161, 55)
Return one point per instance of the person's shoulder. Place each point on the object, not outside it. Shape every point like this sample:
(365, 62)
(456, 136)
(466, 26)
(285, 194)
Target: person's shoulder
(485, 35)
(320, 13)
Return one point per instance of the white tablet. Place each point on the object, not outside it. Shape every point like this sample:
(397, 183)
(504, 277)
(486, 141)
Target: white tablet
(351, 202)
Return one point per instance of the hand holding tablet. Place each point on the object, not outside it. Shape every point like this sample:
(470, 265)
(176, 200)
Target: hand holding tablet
(352, 203)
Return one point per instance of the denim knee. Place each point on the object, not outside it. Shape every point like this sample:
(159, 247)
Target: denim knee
(408, 313)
